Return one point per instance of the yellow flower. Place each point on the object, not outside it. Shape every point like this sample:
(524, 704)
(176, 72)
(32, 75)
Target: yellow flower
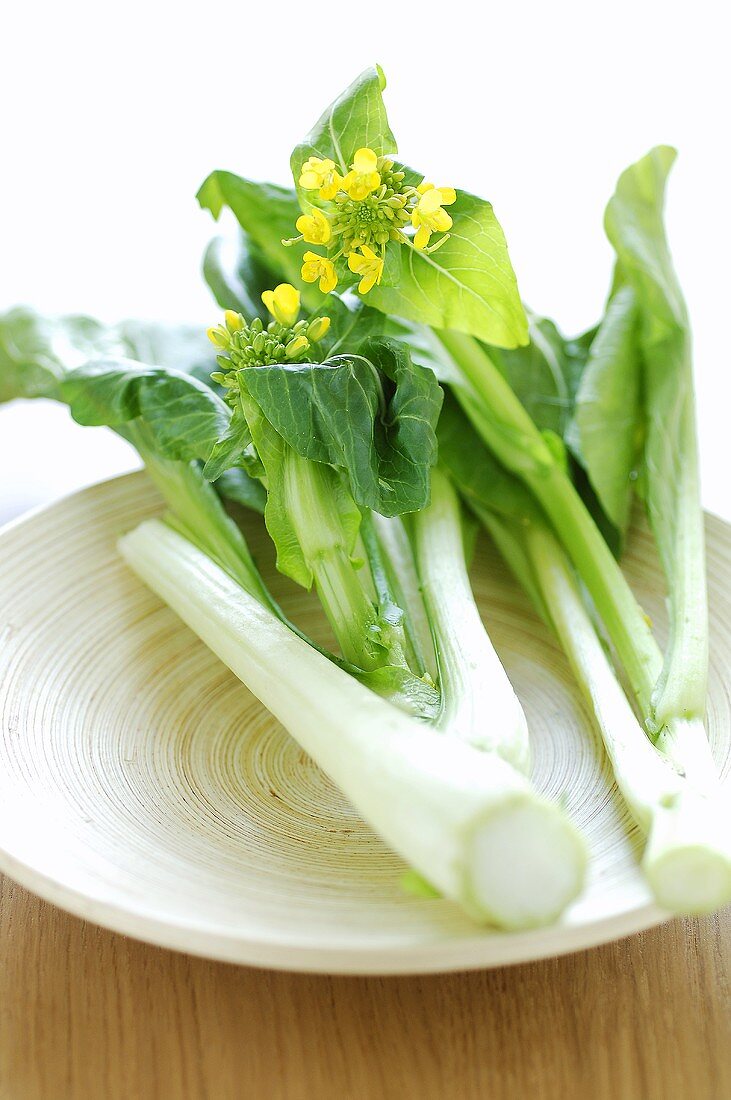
(319, 267)
(428, 216)
(314, 227)
(321, 175)
(363, 178)
(368, 265)
(283, 303)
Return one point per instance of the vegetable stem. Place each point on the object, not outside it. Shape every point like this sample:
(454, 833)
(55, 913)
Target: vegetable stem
(509, 432)
(325, 547)
(380, 542)
(687, 860)
(682, 686)
(478, 701)
(196, 510)
(466, 820)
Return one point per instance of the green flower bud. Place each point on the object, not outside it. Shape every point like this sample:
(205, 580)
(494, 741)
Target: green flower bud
(317, 329)
(296, 347)
(219, 336)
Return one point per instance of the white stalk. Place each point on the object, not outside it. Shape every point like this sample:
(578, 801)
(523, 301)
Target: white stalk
(479, 704)
(687, 859)
(465, 819)
(399, 554)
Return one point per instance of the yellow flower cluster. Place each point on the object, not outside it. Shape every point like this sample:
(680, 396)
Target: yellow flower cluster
(285, 339)
(366, 208)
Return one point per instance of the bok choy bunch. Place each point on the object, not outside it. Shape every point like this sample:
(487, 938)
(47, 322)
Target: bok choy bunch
(330, 430)
(579, 427)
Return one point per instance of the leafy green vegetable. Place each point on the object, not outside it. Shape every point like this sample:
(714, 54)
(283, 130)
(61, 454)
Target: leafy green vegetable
(482, 481)
(634, 225)
(373, 418)
(688, 855)
(606, 431)
(334, 440)
(237, 486)
(326, 414)
(354, 325)
(357, 118)
(267, 213)
(460, 816)
(37, 351)
(237, 275)
(170, 417)
(468, 285)
(544, 375)
(185, 418)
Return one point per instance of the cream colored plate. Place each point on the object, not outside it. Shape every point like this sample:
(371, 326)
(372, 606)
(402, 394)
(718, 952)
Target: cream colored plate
(144, 788)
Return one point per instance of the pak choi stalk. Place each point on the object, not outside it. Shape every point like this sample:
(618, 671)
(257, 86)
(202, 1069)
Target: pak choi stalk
(687, 859)
(466, 820)
(478, 702)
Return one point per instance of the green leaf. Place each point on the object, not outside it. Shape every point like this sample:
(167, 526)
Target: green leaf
(425, 348)
(182, 348)
(352, 324)
(544, 375)
(237, 274)
(356, 119)
(606, 432)
(229, 449)
(184, 417)
(634, 225)
(237, 486)
(468, 284)
(267, 213)
(476, 472)
(373, 418)
(333, 507)
(36, 351)
(501, 501)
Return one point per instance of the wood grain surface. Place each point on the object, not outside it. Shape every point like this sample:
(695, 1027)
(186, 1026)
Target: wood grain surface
(89, 1015)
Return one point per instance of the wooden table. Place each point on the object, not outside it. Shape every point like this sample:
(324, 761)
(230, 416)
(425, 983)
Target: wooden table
(85, 1013)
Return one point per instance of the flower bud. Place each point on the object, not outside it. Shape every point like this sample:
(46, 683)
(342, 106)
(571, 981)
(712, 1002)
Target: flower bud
(219, 336)
(296, 347)
(234, 321)
(317, 328)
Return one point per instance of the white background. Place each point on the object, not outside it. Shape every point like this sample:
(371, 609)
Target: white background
(112, 114)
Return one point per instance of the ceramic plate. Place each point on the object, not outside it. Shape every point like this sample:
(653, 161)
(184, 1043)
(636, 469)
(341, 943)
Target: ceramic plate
(142, 786)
